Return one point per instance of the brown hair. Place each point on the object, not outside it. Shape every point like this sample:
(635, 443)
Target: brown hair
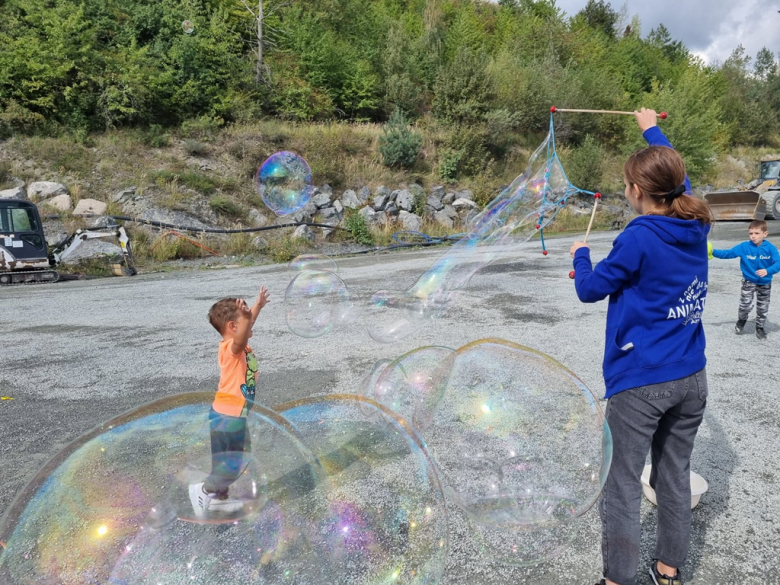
(222, 312)
(658, 171)
(759, 224)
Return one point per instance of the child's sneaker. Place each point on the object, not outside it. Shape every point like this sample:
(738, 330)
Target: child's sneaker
(740, 325)
(660, 579)
(760, 333)
(203, 502)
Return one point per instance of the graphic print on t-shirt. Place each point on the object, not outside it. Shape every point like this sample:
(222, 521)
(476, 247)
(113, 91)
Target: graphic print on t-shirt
(248, 389)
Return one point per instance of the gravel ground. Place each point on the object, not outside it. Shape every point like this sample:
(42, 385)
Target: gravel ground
(76, 354)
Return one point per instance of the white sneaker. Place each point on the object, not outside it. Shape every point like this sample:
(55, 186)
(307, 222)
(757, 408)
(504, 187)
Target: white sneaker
(203, 502)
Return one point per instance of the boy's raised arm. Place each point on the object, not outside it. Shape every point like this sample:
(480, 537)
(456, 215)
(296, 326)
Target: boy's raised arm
(245, 322)
(262, 300)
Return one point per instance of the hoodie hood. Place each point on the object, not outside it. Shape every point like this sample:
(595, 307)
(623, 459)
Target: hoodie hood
(674, 231)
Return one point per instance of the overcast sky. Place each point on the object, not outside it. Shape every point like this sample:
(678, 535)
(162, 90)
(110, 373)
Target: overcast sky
(711, 29)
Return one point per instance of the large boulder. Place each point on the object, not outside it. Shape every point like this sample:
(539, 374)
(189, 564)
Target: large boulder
(438, 192)
(350, 200)
(435, 203)
(304, 232)
(382, 190)
(450, 212)
(443, 219)
(328, 215)
(410, 221)
(466, 194)
(90, 207)
(368, 214)
(392, 210)
(15, 193)
(404, 200)
(363, 194)
(93, 249)
(337, 205)
(448, 198)
(322, 199)
(46, 189)
(60, 203)
(124, 195)
(380, 218)
(464, 203)
(379, 201)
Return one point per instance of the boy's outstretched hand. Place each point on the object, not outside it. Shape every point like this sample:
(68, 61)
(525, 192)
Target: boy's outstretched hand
(262, 300)
(576, 246)
(646, 118)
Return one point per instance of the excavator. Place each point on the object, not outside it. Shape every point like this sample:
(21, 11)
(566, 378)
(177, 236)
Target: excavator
(761, 199)
(25, 257)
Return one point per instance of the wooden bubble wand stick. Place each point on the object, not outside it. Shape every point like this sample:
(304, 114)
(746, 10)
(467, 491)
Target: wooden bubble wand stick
(554, 110)
(596, 199)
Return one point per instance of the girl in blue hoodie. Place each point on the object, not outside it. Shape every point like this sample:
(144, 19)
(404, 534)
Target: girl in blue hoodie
(654, 363)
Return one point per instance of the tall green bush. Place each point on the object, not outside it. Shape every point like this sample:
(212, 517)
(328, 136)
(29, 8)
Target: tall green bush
(399, 145)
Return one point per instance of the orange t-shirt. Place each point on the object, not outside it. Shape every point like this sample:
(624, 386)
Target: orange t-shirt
(237, 381)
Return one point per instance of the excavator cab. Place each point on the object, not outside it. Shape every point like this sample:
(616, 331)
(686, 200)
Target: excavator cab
(24, 256)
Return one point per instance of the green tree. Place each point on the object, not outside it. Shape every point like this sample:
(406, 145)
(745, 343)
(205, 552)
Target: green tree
(399, 144)
(599, 15)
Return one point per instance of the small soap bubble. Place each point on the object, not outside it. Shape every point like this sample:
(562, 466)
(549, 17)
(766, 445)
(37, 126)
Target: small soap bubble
(188, 27)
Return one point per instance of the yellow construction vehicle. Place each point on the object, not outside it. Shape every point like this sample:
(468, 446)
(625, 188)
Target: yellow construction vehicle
(761, 199)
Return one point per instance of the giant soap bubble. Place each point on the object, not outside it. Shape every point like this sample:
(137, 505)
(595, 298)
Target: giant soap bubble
(387, 519)
(522, 446)
(284, 182)
(112, 506)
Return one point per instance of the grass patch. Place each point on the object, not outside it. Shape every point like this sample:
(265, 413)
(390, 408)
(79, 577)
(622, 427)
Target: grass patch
(286, 248)
(5, 175)
(62, 155)
(195, 181)
(227, 207)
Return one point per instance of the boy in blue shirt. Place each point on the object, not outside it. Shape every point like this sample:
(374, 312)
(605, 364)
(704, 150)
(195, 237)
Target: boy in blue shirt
(759, 261)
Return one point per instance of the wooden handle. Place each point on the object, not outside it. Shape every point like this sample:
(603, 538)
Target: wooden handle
(662, 115)
(592, 217)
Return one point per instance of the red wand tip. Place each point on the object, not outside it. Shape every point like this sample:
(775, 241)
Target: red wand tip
(544, 252)
(553, 110)
(664, 115)
(571, 275)
(597, 196)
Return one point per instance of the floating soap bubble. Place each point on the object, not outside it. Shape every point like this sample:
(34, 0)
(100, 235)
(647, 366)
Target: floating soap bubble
(188, 27)
(106, 508)
(519, 213)
(314, 262)
(521, 444)
(387, 520)
(413, 384)
(316, 302)
(284, 182)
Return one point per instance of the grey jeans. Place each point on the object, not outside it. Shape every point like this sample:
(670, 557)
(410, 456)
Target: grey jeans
(663, 419)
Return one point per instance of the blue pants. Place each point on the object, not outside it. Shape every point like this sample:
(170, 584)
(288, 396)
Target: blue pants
(230, 451)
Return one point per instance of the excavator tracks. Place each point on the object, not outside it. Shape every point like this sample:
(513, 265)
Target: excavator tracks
(28, 277)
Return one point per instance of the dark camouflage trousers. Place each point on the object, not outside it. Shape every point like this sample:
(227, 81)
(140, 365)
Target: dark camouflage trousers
(762, 293)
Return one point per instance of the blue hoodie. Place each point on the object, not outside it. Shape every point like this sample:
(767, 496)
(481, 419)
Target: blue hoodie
(752, 258)
(656, 280)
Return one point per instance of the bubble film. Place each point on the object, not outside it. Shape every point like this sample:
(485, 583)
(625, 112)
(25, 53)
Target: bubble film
(522, 447)
(519, 213)
(387, 520)
(316, 302)
(314, 262)
(413, 384)
(107, 508)
(188, 27)
(284, 182)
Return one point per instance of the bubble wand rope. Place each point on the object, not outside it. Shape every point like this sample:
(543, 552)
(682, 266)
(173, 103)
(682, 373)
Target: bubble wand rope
(597, 198)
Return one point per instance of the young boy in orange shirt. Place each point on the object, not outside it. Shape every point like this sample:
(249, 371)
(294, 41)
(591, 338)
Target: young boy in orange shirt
(234, 320)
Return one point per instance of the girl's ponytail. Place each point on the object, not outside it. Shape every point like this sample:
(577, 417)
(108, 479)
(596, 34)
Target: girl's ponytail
(659, 172)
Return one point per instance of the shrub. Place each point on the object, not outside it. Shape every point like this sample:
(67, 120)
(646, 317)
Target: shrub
(285, 249)
(156, 137)
(399, 145)
(356, 224)
(195, 148)
(584, 165)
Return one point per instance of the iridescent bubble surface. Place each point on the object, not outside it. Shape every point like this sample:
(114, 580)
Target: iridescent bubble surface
(387, 519)
(107, 509)
(522, 446)
(284, 182)
(316, 302)
(187, 26)
(314, 262)
(413, 384)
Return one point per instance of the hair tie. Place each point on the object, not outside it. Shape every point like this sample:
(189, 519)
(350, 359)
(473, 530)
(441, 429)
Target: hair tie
(672, 195)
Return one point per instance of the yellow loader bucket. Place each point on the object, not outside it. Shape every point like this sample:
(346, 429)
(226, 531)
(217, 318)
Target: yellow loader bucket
(736, 206)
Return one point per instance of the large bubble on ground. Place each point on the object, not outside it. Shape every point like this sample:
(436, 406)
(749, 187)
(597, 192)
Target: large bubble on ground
(318, 301)
(113, 507)
(284, 182)
(521, 443)
(387, 520)
(413, 384)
